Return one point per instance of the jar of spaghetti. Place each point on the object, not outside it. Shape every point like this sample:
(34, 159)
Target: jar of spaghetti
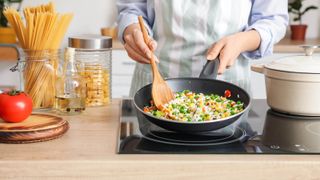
(93, 55)
(38, 75)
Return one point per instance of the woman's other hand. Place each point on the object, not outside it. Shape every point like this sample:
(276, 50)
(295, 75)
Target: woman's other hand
(229, 48)
(135, 46)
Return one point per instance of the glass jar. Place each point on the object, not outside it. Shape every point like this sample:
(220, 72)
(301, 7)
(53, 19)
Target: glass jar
(38, 75)
(93, 56)
(70, 87)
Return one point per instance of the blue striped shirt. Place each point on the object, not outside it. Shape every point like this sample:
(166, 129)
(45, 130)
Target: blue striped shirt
(268, 17)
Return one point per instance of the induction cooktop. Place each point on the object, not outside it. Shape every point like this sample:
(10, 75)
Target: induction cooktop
(260, 131)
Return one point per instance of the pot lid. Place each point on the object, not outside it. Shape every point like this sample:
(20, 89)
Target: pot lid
(308, 63)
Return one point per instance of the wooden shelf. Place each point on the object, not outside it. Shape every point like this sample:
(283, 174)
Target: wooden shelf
(289, 46)
(8, 52)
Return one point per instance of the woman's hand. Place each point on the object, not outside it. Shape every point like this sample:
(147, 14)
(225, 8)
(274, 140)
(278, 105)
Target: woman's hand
(229, 48)
(135, 46)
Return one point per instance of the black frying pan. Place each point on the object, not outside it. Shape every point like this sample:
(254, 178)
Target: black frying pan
(206, 84)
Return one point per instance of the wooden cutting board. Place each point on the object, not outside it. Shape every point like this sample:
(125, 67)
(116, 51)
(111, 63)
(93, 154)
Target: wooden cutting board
(37, 128)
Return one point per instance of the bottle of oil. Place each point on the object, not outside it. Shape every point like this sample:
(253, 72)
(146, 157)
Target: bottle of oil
(70, 88)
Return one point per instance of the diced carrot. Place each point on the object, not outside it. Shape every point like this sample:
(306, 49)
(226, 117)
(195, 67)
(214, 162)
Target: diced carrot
(146, 109)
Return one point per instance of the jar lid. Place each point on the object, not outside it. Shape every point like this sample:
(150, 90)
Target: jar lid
(307, 64)
(90, 41)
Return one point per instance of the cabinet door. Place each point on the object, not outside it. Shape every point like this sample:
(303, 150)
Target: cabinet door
(122, 71)
(9, 55)
(8, 79)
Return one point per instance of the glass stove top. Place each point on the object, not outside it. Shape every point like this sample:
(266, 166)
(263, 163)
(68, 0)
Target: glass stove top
(261, 131)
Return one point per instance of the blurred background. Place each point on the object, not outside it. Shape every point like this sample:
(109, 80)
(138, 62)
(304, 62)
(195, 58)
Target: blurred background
(89, 16)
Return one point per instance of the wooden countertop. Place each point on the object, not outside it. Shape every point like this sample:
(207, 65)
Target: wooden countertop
(289, 46)
(88, 150)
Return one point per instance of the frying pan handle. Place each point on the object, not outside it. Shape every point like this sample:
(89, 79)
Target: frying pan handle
(210, 69)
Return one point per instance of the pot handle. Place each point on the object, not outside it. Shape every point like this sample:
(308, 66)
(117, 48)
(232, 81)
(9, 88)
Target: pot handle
(210, 69)
(257, 68)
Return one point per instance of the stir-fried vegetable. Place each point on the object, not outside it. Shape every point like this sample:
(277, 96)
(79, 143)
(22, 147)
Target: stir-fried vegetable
(194, 107)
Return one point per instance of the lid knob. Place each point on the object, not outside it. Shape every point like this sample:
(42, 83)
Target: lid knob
(309, 49)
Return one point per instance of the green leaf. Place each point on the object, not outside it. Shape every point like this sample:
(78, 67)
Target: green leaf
(14, 1)
(3, 19)
(296, 5)
(291, 10)
(296, 19)
(3, 3)
(308, 9)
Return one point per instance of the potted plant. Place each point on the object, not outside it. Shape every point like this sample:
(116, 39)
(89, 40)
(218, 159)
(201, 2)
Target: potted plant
(7, 34)
(298, 31)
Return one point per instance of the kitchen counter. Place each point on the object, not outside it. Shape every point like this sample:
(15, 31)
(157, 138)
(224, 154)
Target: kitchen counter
(88, 150)
(287, 45)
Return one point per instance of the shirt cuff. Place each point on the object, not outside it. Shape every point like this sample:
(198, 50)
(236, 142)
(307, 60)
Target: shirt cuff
(127, 20)
(266, 45)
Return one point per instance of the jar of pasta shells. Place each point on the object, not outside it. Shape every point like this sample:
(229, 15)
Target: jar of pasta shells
(93, 54)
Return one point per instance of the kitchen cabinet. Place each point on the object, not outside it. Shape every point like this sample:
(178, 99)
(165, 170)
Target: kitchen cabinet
(122, 71)
(8, 78)
(8, 58)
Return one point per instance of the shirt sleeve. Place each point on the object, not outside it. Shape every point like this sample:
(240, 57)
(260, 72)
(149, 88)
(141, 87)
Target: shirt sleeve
(270, 19)
(128, 12)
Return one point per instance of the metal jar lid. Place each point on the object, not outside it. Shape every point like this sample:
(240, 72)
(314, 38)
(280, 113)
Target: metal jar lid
(90, 42)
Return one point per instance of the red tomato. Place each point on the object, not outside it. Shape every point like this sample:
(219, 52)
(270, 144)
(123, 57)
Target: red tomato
(227, 93)
(15, 106)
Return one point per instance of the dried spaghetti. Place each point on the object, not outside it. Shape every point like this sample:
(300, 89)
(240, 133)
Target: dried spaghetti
(40, 37)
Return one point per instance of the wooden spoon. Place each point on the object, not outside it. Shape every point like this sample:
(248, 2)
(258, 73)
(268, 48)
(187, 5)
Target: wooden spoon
(161, 92)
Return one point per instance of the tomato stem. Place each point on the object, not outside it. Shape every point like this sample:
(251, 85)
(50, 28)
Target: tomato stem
(14, 92)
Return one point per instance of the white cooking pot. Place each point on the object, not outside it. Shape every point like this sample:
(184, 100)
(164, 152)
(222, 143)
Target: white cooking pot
(293, 83)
